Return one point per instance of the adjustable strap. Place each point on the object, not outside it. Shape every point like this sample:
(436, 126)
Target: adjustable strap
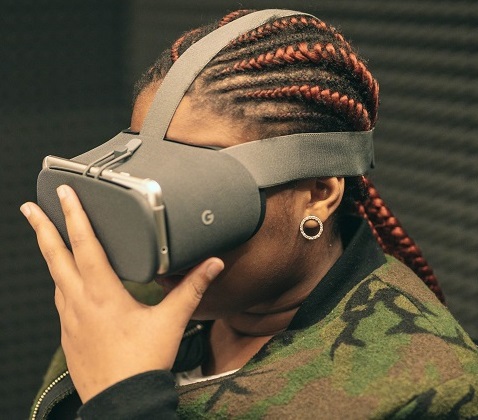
(278, 160)
(192, 61)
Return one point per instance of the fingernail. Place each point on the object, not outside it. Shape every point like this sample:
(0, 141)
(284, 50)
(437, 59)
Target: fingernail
(62, 191)
(26, 210)
(213, 269)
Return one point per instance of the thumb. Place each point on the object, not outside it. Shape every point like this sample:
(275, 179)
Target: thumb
(183, 300)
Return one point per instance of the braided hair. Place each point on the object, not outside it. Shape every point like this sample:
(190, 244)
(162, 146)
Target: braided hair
(299, 74)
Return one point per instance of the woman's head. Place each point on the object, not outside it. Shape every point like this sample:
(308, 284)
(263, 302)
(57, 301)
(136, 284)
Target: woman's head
(289, 75)
(294, 74)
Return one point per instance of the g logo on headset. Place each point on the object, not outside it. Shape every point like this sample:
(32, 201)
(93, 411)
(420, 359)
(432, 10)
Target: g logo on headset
(207, 217)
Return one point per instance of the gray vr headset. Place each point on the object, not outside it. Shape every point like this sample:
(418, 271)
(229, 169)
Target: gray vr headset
(159, 206)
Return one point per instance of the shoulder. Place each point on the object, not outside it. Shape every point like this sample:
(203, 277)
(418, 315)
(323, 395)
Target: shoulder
(393, 307)
(388, 347)
(403, 346)
(417, 310)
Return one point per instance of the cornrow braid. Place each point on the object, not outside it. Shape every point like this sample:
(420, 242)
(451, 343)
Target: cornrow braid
(318, 53)
(269, 29)
(195, 34)
(177, 44)
(233, 16)
(354, 110)
(292, 116)
(298, 74)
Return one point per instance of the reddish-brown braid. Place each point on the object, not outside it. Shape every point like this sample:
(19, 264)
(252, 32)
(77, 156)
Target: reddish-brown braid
(355, 111)
(302, 53)
(393, 238)
(233, 16)
(279, 25)
(224, 21)
(299, 74)
(175, 48)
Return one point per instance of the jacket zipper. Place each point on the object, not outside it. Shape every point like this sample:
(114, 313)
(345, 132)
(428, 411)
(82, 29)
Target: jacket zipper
(45, 393)
(192, 331)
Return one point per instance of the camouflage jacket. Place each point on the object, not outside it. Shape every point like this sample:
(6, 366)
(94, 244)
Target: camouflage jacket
(371, 341)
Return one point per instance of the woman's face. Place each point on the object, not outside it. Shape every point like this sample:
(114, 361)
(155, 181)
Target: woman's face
(267, 273)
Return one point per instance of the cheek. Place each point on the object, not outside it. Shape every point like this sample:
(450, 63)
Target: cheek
(266, 249)
(256, 270)
(280, 226)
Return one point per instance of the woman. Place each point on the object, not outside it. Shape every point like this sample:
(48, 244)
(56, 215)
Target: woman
(308, 315)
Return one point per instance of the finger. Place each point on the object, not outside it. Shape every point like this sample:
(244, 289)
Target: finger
(183, 300)
(59, 259)
(90, 256)
(59, 300)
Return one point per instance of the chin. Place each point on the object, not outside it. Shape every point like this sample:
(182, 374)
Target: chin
(211, 308)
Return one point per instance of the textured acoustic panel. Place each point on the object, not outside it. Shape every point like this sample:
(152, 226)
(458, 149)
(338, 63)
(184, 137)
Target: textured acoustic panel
(66, 74)
(61, 90)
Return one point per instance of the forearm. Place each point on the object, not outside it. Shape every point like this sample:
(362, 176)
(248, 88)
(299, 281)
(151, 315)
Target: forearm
(147, 395)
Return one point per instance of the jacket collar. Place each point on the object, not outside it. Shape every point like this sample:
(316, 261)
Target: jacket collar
(362, 255)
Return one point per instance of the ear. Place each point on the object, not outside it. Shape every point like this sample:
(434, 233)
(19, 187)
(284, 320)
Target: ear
(324, 197)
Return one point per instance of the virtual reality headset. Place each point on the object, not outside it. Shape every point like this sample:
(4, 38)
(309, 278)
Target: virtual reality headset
(159, 206)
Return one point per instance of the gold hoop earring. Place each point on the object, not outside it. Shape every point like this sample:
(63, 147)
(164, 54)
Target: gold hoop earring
(317, 235)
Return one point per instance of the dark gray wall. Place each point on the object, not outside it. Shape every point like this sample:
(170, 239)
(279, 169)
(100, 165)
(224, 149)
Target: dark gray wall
(66, 74)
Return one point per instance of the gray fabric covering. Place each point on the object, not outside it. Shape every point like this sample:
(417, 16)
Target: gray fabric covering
(278, 160)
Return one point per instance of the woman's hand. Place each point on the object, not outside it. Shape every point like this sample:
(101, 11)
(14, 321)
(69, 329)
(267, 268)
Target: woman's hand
(108, 336)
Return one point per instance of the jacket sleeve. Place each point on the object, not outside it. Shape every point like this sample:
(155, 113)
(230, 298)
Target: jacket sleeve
(456, 398)
(144, 396)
